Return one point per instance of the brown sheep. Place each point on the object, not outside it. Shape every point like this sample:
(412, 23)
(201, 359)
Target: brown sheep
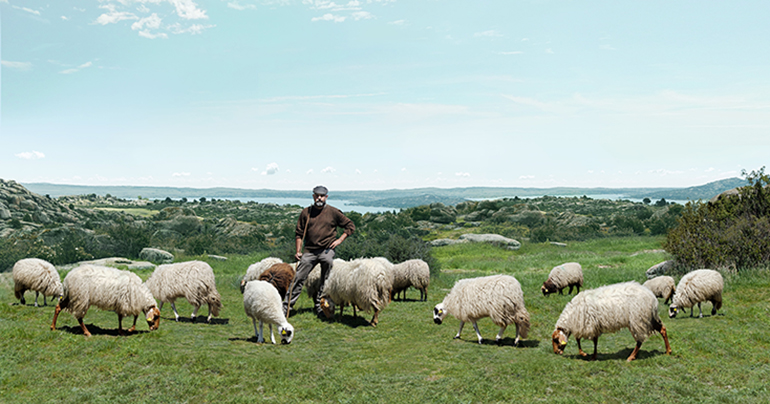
(279, 275)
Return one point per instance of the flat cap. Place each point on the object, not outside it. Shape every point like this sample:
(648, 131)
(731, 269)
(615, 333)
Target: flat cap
(320, 190)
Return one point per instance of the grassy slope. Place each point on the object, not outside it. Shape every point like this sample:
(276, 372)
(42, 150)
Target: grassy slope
(406, 358)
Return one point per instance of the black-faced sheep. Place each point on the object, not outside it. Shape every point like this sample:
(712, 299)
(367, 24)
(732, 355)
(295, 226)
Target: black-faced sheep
(695, 287)
(609, 309)
(414, 272)
(38, 275)
(109, 289)
(262, 303)
(498, 297)
(662, 286)
(193, 280)
(569, 274)
(365, 283)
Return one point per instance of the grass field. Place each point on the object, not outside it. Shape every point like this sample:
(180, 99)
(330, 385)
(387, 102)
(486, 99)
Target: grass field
(407, 358)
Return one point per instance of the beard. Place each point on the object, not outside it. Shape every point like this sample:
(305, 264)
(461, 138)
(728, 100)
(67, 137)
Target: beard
(319, 204)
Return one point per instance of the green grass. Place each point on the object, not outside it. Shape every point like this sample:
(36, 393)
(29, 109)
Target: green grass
(407, 358)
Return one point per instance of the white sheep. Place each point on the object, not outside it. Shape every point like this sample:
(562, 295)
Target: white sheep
(262, 303)
(108, 289)
(364, 282)
(662, 286)
(193, 280)
(695, 287)
(414, 272)
(608, 309)
(38, 275)
(256, 269)
(568, 274)
(313, 281)
(498, 297)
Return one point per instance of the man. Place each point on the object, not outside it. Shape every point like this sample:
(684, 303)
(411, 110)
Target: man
(317, 227)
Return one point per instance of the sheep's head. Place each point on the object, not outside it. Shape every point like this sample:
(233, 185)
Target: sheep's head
(287, 334)
(327, 306)
(153, 318)
(548, 288)
(559, 341)
(439, 312)
(243, 284)
(672, 310)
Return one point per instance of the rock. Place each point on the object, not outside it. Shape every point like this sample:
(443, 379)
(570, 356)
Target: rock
(217, 257)
(156, 255)
(558, 244)
(662, 268)
(439, 213)
(508, 243)
(446, 241)
(5, 214)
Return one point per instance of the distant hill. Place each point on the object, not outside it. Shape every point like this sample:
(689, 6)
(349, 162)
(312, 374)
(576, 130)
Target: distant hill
(392, 198)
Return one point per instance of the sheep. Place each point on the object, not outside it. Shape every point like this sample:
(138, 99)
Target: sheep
(608, 309)
(569, 274)
(256, 269)
(498, 297)
(262, 302)
(365, 283)
(280, 276)
(193, 280)
(662, 286)
(414, 272)
(695, 287)
(313, 283)
(108, 289)
(38, 275)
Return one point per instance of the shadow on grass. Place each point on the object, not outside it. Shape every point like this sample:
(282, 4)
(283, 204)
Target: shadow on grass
(506, 341)
(253, 339)
(621, 355)
(198, 320)
(96, 330)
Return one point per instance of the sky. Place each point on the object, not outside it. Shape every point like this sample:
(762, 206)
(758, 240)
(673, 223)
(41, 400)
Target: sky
(383, 94)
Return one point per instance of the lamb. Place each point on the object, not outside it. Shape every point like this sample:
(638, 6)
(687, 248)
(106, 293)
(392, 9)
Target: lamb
(695, 287)
(38, 275)
(609, 309)
(498, 297)
(365, 282)
(193, 280)
(414, 272)
(108, 289)
(262, 302)
(280, 276)
(662, 286)
(256, 269)
(569, 274)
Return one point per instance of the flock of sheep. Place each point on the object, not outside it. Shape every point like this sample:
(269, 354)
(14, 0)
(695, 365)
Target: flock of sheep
(369, 284)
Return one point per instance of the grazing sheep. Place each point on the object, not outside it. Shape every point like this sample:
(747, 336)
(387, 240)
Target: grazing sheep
(695, 287)
(313, 282)
(256, 269)
(498, 297)
(108, 289)
(193, 280)
(262, 302)
(609, 309)
(413, 272)
(569, 274)
(38, 275)
(279, 275)
(662, 286)
(365, 283)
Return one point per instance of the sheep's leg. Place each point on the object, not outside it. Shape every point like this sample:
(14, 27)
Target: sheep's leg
(635, 352)
(570, 290)
(36, 295)
(374, 321)
(208, 320)
(195, 313)
(120, 325)
(260, 336)
(272, 338)
(44, 302)
(499, 336)
(133, 326)
(662, 330)
(462, 323)
(518, 336)
(83, 327)
(580, 348)
(478, 334)
(176, 315)
(700, 312)
(596, 343)
(55, 316)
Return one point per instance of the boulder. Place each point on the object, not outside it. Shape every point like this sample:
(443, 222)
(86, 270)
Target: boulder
(662, 268)
(217, 257)
(156, 255)
(446, 241)
(439, 213)
(506, 242)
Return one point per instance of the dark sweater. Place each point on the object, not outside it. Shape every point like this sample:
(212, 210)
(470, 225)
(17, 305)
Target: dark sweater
(322, 230)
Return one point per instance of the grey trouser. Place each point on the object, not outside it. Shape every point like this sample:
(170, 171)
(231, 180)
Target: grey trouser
(309, 260)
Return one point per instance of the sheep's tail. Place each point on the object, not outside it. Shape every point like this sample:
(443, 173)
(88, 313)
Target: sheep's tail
(521, 319)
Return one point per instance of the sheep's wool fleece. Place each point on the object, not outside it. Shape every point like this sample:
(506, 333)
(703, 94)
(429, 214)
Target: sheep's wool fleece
(106, 288)
(193, 280)
(611, 308)
(698, 286)
(262, 302)
(38, 275)
(414, 272)
(498, 297)
(661, 286)
(366, 282)
(256, 269)
(566, 274)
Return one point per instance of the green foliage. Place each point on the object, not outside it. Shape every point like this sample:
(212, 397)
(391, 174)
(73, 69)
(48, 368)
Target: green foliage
(732, 232)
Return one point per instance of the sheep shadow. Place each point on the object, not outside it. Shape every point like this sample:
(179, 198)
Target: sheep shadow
(506, 341)
(302, 310)
(253, 339)
(350, 321)
(96, 330)
(198, 320)
(620, 355)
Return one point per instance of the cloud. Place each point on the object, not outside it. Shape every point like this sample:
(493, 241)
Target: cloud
(310, 171)
(151, 22)
(237, 6)
(180, 174)
(271, 169)
(77, 69)
(328, 170)
(29, 10)
(362, 15)
(607, 47)
(526, 177)
(64, 17)
(16, 65)
(549, 51)
(488, 34)
(33, 155)
(510, 53)
(358, 171)
(113, 16)
(462, 174)
(188, 10)
(192, 29)
(329, 17)
(398, 22)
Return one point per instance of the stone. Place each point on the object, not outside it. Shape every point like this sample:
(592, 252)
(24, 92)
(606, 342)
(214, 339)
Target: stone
(509, 243)
(156, 255)
(662, 268)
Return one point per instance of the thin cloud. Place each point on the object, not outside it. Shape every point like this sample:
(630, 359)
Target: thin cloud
(310, 171)
(329, 17)
(188, 10)
(16, 65)
(237, 6)
(549, 51)
(77, 69)
(461, 174)
(328, 170)
(510, 53)
(182, 174)
(33, 155)
(29, 10)
(271, 169)
(398, 22)
(362, 15)
(488, 34)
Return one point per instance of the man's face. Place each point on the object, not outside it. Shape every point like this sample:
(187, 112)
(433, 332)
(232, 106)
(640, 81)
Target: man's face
(319, 200)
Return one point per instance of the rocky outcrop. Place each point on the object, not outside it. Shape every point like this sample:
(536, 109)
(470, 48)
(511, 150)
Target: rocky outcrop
(156, 255)
(662, 268)
(496, 239)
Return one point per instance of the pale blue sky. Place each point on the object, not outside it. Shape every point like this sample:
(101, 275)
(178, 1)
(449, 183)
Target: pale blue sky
(383, 94)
